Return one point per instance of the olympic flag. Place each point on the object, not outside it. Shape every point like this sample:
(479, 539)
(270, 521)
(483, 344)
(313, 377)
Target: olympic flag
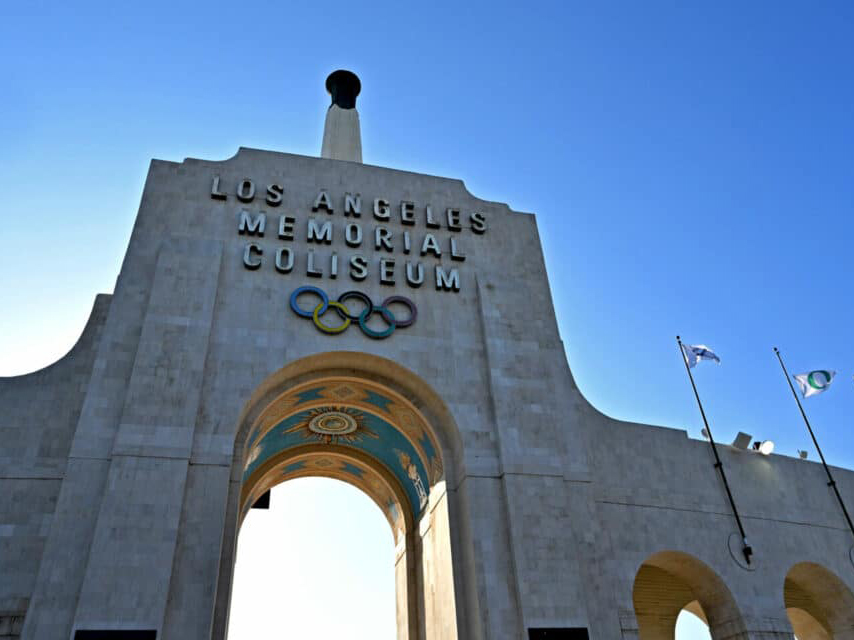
(814, 382)
(696, 352)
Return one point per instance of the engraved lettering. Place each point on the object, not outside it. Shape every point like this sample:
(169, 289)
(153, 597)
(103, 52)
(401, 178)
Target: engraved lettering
(353, 235)
(358, 268)
(455, 253)
(274, 194)
(430, 246)
(431, 222)
(353, 205)
(216, 194)
(414, 278)
(453, 217)
(284, 260)
(320, 234)
(286, 227)
(447, 281)
(407, 212)
(381, 209)
(249, 261)
(246, 190)
(250, 224)
(322, 201)
(478, 222)
(387, 271)
(382, 238)
(310, 269)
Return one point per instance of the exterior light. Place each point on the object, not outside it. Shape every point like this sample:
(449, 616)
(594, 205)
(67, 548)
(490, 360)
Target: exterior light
(742, 440)
(766, 447)
(705, 433)
(802, 454)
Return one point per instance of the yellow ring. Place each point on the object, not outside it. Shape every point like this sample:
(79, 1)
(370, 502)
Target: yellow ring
(325, 328)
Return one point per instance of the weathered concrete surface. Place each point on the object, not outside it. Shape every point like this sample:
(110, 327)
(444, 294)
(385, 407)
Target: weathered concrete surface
(342, 135)
(121, 465)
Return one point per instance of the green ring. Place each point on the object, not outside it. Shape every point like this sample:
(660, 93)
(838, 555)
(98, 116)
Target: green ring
(813, 384)
(387, 315)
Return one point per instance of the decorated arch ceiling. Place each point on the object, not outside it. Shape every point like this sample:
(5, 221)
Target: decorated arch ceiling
(339, 463)
(351, 430)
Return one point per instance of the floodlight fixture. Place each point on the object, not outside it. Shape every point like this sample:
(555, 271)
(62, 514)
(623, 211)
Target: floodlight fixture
(742, 440)
(705, 433)
(802, 454)
(765, 447)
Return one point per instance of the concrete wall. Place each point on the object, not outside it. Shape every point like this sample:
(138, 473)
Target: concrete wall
(37, 422)
(120, 459)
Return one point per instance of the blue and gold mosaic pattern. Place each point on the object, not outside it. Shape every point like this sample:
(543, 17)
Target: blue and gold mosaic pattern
(332, 461)
(350, 414)
(371, 434)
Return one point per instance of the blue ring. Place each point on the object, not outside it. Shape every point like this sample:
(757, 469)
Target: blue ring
(320, 293)
(377, 335)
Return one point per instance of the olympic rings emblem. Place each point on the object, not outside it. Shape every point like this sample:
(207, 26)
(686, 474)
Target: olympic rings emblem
(347, 317)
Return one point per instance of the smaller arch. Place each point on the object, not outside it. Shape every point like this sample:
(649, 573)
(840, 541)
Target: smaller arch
(692, 623)
(695, 609)
(670, 581)
(819, 604)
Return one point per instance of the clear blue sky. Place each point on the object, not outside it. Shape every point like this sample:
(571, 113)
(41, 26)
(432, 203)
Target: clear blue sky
(691, 167)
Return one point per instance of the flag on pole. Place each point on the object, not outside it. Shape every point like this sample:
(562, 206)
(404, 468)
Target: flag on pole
(814, 382)
(696, 352)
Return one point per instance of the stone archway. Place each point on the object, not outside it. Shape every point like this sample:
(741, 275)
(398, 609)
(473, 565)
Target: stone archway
(819, 605)
(368, 422)
(670, 581)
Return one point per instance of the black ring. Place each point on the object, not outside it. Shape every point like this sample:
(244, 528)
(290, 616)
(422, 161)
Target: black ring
(413, 311)
(355, 294)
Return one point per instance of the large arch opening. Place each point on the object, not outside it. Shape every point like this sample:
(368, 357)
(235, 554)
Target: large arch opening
(367, 422)
(315, 564)
(819, 605)
(671, 583)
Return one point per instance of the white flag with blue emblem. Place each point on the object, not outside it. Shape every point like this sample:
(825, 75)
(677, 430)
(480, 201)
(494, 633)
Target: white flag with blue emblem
(696, 352)
(814, 382)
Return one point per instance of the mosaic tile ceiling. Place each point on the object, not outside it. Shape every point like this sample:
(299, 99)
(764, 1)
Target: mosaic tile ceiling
(332, 461)
(343, 416)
